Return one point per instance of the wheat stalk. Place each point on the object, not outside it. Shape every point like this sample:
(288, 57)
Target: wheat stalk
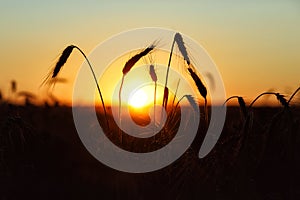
(152, 73)
(241, 103)
(131, 62)
(128, 66)
(1, 96)
(175, 94)
(293, 95)
(154, 79)
(179, 41)
(13, 89)
(13, 86)
(181, 46)
(190, 99)
(282, 100)
(279, 97)
(228, 99)
(201, 88)
(63, 59)
(243, 106)
(166, 90)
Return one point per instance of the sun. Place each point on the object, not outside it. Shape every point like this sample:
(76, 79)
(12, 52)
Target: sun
(138, 99)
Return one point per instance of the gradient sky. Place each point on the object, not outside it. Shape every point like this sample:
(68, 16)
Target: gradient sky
(255, 44)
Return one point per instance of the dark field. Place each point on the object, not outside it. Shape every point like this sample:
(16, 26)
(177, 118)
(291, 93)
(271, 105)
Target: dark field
(42, 157)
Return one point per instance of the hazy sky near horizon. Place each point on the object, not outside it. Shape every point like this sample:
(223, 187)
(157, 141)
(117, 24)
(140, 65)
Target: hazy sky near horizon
(255, 44)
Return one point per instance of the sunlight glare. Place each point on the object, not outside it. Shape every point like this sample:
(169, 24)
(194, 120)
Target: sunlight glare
(138, 99)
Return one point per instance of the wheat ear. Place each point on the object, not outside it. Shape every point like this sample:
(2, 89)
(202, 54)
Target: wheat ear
(128, 66)
(241, 103)
(154, 79)
(63, 59)
(279, 97)
(202, 90)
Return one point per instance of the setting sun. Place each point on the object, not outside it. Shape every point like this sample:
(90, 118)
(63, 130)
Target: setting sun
(138, 99)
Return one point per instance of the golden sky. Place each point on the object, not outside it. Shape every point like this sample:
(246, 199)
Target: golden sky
(255, 44)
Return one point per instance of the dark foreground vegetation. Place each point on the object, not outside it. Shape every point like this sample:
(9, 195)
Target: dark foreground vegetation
(42, 157)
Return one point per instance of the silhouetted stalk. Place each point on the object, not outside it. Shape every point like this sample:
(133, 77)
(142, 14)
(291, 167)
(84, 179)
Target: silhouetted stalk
(191, 100)
(13, 89)
(13, 86)
(166, 90)
(154, 79)
(127, 67)
(98, 87)
(241, 103)
(232, 97)
(120, 104)
(279, 97)
(176, 92)
(63, 59)
(293, 95)
(154, 100)
(175, 95)
(202, 90)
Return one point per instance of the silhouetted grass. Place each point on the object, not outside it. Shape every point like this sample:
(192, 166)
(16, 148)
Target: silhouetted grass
(13, 86)
(202, 90)
(40, 151)
(60, 63)
(279, 97)
(154, 79)
(126, 69)
(242, 104)
(166, 89)
(1, 96)
(128, 66)
(293, 95)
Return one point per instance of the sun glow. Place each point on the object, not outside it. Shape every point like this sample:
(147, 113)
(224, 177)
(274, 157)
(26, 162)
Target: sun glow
(138, 99)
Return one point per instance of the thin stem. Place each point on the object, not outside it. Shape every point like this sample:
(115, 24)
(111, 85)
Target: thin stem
(262, 94)
(120, 96)
(179, 101)
(154, 101)
(120, 105)
(230, 99)
(167, 75)
(98, 87)
(176, 92)
(169, 63)
(293, 95)
(205, 112)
